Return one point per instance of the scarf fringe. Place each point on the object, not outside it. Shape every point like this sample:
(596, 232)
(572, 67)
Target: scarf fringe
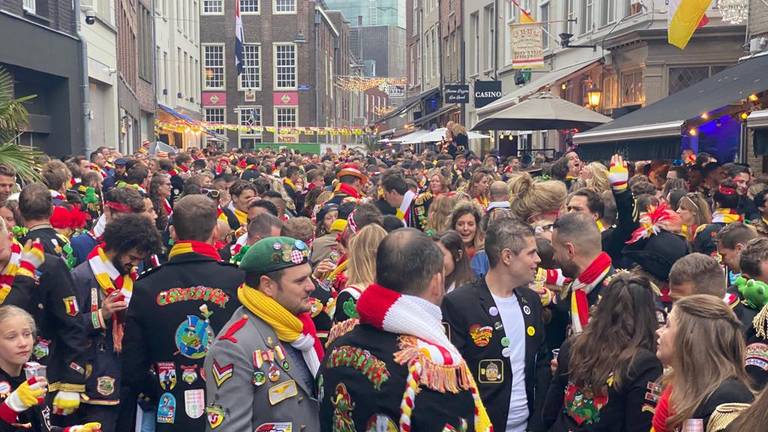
(441, 378)
(760, 323)
(340, 329)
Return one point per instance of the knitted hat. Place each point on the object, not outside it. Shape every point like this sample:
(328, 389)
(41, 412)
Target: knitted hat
(274, 253)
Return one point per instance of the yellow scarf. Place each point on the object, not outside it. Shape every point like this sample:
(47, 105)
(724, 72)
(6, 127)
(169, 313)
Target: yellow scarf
(242, 217)
(600, 226)
(285, 324)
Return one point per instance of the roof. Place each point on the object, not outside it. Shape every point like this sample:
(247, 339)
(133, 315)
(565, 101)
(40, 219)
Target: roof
(408, 104)
(666, 117)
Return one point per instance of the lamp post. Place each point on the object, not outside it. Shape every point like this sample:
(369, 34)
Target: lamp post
(594, 94)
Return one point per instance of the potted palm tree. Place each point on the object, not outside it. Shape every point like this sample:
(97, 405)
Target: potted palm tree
(13, 118)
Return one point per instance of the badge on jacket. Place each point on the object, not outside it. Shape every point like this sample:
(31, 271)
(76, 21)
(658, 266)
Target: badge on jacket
(194, 402)
(166, 409)
(215, 415)
(282, 391)
(105, 385)
(481, 336)
(490, 371)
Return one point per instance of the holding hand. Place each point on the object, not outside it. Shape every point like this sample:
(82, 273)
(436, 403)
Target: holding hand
(30, 393)
(32, 257)
(88, 427)
(618, 174)
(114, 302)
(66, 402)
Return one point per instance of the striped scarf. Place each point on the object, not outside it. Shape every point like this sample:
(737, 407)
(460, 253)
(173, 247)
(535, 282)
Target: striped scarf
(10, 270)
(111, 280)
(726, 216)
(196, 247)
(582, 286)
(299, 331)
(432, 360)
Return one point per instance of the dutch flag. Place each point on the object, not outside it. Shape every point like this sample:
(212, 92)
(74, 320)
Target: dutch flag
(238, 39)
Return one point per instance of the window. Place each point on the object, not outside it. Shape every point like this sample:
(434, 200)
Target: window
(251, 76)
(610, 90)
(684, 77)
(30, 6)
(285, 66)
(435, 52)
(213, 64)
(144, 17)
(284, 6)
(286, 117)
(510, 13)
(489, 41)
(213, 7)
(587, 14)
(608, 12)
(569, 12)
(474, 26)
(545, 26)
(632, 88)
(249, 6)
(249, 143)
(215, 116)
(249, 116)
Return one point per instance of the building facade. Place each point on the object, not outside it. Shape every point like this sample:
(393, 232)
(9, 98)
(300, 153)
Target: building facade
(626, 56)
(177, 64)
(371, 12)
(292, 51)
(43, 54)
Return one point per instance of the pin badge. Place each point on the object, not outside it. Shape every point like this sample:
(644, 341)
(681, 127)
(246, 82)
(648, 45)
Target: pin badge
(494, 311)
(506, 352)
(259, 379)
(531, 331)
(505, 341)
(526, 310)
(274, 373)
(498, 325)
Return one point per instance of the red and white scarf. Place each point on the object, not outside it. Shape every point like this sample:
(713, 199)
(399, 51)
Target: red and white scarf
(432, 359)
(167, 206)
(582, 286)
(111, 280)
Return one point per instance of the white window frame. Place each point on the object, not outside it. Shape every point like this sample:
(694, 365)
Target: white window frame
(275, 73)
(251, 134)
(609, 9)
(278, 12)
(223, 66)
(212, 11)
(489, 41)
(545, 27)
(293, 137)
(256, 3)
(246, 66)
(30, 6)
(587, 21)
(221, 131)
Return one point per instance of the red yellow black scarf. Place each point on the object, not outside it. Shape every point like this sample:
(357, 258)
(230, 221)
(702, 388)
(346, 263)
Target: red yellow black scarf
(196, 247)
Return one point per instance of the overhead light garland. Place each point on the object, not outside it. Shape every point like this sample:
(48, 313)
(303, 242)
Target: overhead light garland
(362, 83)
(734, 11)
(182, 127)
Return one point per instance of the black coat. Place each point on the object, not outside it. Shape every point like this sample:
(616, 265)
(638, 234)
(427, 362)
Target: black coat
(628, 408)
(49, 238)
(433, 411)
(61, 337)
(614, 239)
(38, 417)
(470, 305)
(167, 332)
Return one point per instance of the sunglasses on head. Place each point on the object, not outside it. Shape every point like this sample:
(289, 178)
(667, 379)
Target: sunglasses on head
(212, 193)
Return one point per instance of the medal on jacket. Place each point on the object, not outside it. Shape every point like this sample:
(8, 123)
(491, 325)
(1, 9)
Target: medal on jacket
(274, 372)
(280, 355)
(259, 358)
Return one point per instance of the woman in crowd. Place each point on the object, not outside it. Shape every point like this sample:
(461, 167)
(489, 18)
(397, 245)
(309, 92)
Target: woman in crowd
(603, 374)
(536, 201)
(465, 219)
(460, 138)
(439, 184)
(324, 218)
(457, 270)
(694, 212)
(702, 345)
(160, 194)
(479, 188)
(439, 215)
(361, 270)
(595, 176)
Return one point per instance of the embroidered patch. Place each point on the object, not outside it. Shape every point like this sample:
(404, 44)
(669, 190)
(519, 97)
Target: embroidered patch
(77, 368)
(194, 402)
(105, 385)
(193, 337)
(166, 374)
(584, 406)
(757, 355)
(342, 410)
(350, 308)
(490, 371)
(206, 294)
(282, 391)
(215, 415)
(481, 336)
(462, 427)
(41, 349)
(374, 369)
(274, 427)
(221, 373)
(5, 388)
(166, 409)
(380, 423)
(70, 306)
(317, 307)
(189, 374)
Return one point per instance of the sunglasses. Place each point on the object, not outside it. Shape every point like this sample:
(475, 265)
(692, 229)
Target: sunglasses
(213, 194)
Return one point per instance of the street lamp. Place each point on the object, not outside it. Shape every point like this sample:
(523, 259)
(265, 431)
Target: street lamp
(594, 94)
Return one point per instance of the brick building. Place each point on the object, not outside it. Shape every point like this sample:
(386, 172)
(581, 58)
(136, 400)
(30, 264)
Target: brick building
(292, 51)
(43, 53)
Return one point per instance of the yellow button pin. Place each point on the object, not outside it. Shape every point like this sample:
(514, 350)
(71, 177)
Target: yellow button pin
(531, 331)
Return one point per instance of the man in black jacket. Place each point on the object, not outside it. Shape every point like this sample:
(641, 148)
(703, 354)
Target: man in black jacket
(175, 312)
(496, 323)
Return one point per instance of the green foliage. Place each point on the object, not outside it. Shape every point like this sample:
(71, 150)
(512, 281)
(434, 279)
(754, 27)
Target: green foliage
(13, 117)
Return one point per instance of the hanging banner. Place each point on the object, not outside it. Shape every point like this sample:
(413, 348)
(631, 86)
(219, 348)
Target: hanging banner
(527, 45)
(456, 93)
(486, 92)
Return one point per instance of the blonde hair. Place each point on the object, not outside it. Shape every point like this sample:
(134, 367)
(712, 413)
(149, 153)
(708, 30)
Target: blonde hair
(599, 180)
(529, 199)
(696, 204)
(708, 350)
(10, 311)
(439, 215)
(362, 261)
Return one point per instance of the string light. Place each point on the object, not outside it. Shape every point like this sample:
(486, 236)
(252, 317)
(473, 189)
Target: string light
(361, 83)
(693, 132)
(753, 98)
(181, 127)
(744, 115)
(705, 116)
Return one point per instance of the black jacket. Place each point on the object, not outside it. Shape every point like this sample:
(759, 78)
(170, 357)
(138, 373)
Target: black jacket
(613, 239)
(38, 417)
(342, 379)
(49, 238)
(166, 330)
(730, 391)
(470, 306)
(61, 337)
(628, 408)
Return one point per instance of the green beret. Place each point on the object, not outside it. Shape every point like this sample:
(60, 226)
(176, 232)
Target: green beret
(274, 253)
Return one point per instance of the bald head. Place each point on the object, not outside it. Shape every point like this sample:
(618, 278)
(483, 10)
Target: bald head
(406, 261)
(499, 191)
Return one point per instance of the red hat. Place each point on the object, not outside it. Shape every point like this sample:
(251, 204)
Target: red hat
(63, 218)
(350, 169)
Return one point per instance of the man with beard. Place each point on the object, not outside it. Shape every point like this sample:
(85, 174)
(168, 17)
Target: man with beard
(578, 251)
(261, 369)
(496, 323)
(104, 285)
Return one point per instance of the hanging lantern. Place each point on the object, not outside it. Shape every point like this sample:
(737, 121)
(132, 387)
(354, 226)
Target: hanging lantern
(593, 96)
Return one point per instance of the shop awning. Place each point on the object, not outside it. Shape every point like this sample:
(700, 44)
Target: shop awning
(421, 121)
(178, 115)
(662, 122)
(532, 87)
(408, 104)
(758, 119)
